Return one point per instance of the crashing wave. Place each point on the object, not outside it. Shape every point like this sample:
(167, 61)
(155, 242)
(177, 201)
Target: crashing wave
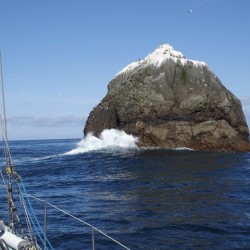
(109, 138)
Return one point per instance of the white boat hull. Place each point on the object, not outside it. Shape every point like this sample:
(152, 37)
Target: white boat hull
(12, 241)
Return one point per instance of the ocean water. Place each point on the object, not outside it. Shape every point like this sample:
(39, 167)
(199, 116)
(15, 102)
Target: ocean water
(144, 198)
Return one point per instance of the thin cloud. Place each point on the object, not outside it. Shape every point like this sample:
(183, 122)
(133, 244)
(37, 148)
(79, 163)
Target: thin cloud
(247, 116)
(47, 121)
(245, 100)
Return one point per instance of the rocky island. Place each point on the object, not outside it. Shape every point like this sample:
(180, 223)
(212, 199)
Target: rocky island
(169, 101)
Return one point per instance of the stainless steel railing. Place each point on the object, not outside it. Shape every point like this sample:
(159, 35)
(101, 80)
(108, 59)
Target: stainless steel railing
(93, 228)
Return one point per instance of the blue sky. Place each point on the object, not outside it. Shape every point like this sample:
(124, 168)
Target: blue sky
(59, 56)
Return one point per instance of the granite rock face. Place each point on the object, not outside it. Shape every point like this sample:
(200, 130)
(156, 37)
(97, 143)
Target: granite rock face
(169, 101)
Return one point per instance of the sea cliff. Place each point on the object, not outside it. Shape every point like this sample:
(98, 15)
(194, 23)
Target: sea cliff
(169, 101)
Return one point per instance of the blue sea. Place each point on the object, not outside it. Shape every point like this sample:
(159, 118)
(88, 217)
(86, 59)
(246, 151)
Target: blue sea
(144, 198)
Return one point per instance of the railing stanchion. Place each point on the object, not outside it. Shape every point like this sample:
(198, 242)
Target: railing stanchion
(45, 224)
(93, 239)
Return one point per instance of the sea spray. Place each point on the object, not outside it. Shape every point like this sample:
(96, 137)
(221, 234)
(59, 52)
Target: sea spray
(109, 138)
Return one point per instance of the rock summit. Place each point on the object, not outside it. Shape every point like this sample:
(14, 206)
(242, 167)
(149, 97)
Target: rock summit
(169, 101)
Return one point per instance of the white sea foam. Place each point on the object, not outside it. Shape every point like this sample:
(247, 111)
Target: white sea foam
(184, 148)
(109, 138)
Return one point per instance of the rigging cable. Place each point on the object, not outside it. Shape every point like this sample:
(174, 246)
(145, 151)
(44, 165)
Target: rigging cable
(11, 208)
(12, 211)
(33, 217)
(3, 96)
